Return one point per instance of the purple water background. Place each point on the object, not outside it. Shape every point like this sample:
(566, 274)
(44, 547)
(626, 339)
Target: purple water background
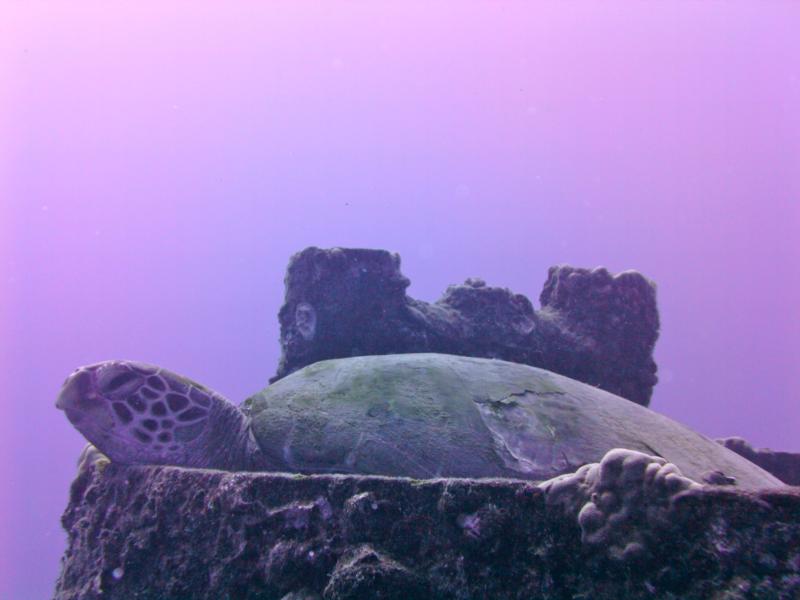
(158, 166)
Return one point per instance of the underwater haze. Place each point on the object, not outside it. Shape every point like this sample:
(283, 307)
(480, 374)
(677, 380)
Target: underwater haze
(160, 164)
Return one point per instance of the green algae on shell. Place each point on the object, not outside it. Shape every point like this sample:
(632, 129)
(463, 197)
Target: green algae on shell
(437, 415)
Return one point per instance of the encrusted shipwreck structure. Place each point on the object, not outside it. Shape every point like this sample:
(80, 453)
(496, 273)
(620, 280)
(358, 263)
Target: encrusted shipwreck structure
(593, 327)
(630, 526)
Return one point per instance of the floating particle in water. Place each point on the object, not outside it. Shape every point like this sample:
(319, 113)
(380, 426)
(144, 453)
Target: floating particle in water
(118, 573)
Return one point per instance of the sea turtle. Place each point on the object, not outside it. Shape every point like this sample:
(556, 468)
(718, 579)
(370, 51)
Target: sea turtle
(415, 415)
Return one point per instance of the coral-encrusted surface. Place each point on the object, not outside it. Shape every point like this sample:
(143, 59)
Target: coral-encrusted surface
(593, 326)
(168, 533)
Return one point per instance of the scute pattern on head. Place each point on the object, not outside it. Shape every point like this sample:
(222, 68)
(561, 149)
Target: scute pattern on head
(136, 412)
(157, 408)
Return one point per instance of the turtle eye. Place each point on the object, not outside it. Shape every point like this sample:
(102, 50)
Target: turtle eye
(119, 380)
(116, 380)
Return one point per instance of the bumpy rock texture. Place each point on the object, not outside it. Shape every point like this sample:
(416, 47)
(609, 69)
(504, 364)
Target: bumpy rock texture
(592, 326)
(784, 465)
(630, 527)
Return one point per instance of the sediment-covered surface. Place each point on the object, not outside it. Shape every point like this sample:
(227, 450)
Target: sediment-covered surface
(630, 527)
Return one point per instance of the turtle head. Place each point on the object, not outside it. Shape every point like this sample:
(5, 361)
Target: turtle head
(136, 413)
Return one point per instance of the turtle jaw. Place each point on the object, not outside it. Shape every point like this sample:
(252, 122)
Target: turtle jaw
(78, 396)
(87, 410)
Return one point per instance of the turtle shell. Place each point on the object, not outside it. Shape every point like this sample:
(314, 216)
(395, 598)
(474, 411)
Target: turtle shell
(439, 415)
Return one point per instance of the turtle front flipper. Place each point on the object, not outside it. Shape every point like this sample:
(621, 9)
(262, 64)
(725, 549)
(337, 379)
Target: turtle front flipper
(140, 414)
